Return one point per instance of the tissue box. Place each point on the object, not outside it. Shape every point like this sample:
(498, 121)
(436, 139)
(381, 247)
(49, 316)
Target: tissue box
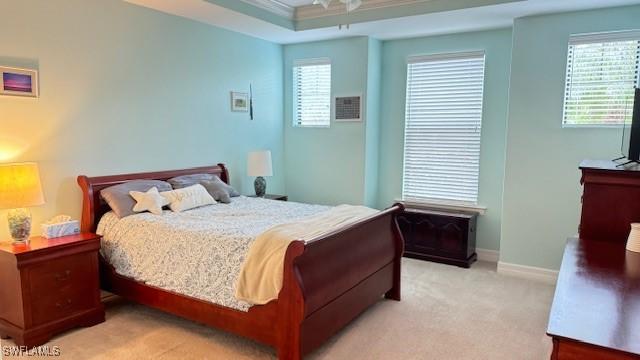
(61, 229)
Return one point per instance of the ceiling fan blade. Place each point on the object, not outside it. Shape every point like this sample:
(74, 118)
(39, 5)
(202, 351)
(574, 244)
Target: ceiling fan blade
(324, 3)
(354, 4)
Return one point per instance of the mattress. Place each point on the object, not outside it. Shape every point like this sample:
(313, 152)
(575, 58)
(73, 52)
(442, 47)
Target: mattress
(199, 252)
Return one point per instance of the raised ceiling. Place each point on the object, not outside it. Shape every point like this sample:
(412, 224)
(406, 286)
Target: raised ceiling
(291, 21)
(295, 3)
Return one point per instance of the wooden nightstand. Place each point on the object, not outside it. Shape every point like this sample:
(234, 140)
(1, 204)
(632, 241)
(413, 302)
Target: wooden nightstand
(49, 286)
(274, 197)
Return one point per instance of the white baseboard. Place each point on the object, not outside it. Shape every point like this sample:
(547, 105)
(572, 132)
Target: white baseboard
(488, 255)
(528, 272)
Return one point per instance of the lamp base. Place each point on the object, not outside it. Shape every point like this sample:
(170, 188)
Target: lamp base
(19, 225)
(261, 186)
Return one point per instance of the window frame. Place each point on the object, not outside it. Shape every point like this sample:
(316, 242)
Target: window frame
(595, 38)
(310, 62)
(440, 202)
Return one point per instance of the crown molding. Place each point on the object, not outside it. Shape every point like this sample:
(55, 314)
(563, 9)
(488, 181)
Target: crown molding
(274, 6)
(337, 8)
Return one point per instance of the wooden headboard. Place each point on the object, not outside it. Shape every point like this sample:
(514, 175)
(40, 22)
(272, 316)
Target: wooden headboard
(93, 206)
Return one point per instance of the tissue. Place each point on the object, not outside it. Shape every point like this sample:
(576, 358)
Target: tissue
(60, 225)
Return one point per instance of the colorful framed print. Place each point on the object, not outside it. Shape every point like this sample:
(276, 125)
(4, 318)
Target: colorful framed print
(239, 101)
(18, 82)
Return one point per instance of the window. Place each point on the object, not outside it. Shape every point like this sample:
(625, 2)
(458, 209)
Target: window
(442, 128)
(312, 93)
(602, 72)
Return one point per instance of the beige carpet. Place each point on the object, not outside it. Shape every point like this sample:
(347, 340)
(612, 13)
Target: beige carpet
(446, 313)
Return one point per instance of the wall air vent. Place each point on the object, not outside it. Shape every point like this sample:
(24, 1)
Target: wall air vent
(348, 108)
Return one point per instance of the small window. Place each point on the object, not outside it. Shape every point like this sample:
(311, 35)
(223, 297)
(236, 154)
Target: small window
(442, 128)
(312, 93)
(602, 73)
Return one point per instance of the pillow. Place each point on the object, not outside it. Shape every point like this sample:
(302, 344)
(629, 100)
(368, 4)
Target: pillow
(218, 192)
(183, 181)
(118, 198)
(188, 198)
(180, 182)
(150, 201)
(230, 190)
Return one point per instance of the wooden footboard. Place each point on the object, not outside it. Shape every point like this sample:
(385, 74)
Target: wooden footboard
(327, 282)
(331, 280)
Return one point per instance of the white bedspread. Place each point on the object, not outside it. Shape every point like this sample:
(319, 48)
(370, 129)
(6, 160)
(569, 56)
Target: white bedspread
(199, 252)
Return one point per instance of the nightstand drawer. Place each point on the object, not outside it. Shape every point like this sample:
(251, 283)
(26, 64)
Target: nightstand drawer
(62, 303)
(58, 274)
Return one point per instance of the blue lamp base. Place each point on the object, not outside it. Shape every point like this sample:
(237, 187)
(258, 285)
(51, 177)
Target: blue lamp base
(261, 186)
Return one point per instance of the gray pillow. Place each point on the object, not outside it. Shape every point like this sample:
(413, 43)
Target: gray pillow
(121, 202)
(218, 192)
(180, 182)
(183, 181)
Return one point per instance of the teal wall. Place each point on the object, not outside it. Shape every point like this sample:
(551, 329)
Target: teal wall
(372, 127)
(497, 47)
(139, 90)
(327, 165)
(542, 191)
(125, 88)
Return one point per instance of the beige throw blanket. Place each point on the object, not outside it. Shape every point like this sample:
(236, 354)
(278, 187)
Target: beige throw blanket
(261, 275)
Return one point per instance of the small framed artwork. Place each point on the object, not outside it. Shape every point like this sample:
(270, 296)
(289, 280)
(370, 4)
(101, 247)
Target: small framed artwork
(239, 101)
(18, 82)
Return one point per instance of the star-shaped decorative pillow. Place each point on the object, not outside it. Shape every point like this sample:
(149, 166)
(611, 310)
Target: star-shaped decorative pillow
(150, 201)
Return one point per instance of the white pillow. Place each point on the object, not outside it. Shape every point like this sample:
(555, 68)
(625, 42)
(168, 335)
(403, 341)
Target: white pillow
(188, 198)
(150, 201)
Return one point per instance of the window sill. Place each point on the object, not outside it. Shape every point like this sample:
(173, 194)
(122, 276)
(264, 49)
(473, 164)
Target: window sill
(594, 126)
(443, 206)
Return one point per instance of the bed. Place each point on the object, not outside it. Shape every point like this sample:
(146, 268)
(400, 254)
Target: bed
(327, 281)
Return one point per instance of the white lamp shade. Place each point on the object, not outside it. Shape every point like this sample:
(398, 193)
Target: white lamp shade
(633, 242)
(20, 186)
(259, 163)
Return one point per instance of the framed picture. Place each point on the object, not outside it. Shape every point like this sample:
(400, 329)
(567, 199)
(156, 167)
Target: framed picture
(18, 82)
(239, 101)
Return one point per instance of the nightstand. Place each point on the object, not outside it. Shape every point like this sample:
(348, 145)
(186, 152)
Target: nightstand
(274, 197)
(49, 286)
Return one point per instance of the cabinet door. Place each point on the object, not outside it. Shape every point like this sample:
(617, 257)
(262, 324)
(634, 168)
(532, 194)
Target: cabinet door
(453, 238)
(425, 235)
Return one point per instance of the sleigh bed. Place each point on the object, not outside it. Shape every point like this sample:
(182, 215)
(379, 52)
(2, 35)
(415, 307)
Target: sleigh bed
(327, 281)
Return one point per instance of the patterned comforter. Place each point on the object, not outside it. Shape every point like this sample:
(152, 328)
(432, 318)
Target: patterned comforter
(199, 252)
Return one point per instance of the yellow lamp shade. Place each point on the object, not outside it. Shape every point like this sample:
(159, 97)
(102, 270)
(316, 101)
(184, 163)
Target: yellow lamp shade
(20, 186)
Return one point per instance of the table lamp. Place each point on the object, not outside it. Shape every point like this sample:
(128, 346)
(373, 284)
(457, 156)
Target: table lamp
(20, 188)
(633, 242)
(259, 165)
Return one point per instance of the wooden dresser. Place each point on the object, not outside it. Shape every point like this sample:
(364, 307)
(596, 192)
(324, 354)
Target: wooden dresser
(49, 286)
(445, 237)
(610, 200)
(596, 307)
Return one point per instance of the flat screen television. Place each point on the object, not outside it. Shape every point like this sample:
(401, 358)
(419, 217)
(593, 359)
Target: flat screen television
(634, 137)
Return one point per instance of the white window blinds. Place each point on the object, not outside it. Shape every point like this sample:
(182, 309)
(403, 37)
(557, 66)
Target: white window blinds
(442, 127)
(312, 93)
(602, 72)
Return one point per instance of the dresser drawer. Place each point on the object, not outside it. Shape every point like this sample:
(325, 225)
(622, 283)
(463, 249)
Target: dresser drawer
(58, 274)
(62, 303)
(61, 287)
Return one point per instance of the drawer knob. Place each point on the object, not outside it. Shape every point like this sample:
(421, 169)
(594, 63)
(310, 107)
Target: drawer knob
(64, 304)
(60, 277)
